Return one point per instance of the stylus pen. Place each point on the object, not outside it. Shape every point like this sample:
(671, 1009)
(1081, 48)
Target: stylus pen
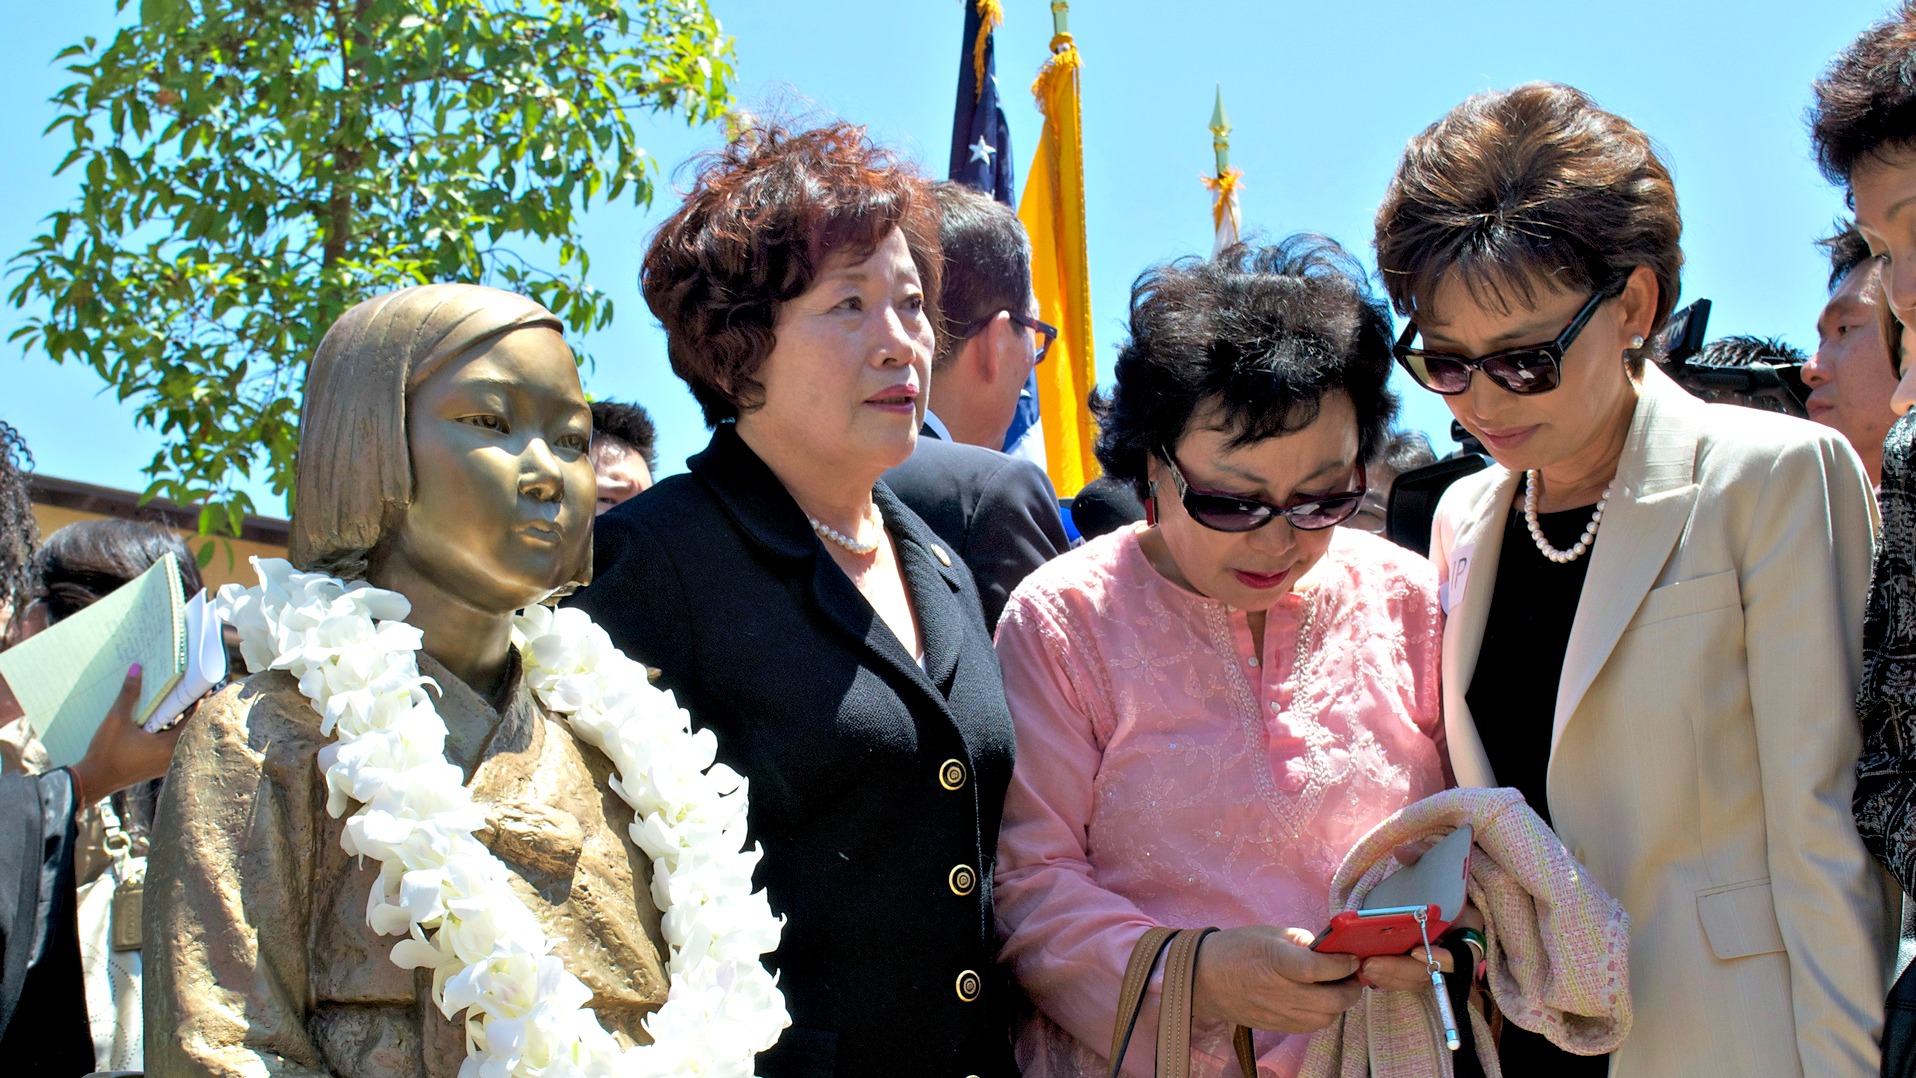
(1451, 1040)
(1449, 1016)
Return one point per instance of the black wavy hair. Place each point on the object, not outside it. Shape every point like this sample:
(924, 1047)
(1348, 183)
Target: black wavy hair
(1744, 349)
(1866, 100)
(631, 424)
(85, 561)
(1261, 333)
(1846, 249)
(987, 263)
(18, 533)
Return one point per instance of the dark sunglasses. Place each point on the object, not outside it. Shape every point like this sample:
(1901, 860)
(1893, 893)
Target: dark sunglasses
(1046, 330)
(1533, 368)
(1225, 513)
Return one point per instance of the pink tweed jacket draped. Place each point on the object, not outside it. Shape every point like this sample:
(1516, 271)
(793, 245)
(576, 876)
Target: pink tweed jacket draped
(1558, 943)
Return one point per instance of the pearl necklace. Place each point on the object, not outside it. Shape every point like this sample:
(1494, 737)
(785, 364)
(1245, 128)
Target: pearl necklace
(1562, 557)
(830, 534)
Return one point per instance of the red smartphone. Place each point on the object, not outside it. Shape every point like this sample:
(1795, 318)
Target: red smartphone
(1391, 930)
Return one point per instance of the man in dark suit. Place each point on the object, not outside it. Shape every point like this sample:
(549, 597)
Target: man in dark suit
(999, 513)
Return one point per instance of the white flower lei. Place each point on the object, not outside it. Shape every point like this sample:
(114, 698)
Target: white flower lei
(525, 1014)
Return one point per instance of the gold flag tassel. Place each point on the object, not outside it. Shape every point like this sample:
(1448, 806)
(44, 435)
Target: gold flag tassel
(991, 15)
(1052, 210)
(1063, 63)
(1225, 215)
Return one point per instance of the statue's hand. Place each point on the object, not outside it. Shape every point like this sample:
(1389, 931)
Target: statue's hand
(544, 840)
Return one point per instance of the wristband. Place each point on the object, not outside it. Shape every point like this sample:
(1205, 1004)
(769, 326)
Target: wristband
(79, 789)
(1472, 938)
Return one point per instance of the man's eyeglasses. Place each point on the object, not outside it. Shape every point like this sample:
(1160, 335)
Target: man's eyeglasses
(1047, 333)
(1227, 513)
(1533, 368)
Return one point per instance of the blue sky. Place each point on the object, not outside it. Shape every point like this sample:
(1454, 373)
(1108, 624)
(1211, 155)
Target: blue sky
(1322, 96)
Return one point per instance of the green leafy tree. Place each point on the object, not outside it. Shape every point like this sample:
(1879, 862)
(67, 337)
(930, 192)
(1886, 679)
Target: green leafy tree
(250, 168)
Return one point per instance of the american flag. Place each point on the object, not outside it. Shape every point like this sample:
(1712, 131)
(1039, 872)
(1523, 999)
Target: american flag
(981, 158)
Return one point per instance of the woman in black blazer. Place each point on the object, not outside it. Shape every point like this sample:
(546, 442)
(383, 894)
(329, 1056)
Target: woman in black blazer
(804, 615)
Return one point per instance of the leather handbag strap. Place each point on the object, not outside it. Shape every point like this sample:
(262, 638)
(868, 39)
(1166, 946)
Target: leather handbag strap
(1174, 1009)
(1174, 1004)
(1246, 1051)
(1137, 977)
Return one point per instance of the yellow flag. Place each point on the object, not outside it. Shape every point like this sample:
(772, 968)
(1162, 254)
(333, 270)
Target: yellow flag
(1053, 213)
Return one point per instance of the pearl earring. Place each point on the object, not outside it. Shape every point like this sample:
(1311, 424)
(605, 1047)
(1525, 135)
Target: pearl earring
(1636, 341)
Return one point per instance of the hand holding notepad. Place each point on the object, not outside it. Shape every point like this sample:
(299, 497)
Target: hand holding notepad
(205, 664)
(65, 677)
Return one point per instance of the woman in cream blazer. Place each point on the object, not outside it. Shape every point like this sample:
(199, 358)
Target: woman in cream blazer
(1703, 741)
(1654, 606)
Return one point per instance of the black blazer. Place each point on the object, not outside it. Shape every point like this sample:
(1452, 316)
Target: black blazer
(876, 786)
(43, 1012)
(999, 513)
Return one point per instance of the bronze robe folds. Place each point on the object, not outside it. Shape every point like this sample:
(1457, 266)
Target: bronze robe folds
(259, 960)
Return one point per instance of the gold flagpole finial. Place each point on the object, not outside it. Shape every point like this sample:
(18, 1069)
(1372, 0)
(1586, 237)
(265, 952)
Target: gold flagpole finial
(1221, 134)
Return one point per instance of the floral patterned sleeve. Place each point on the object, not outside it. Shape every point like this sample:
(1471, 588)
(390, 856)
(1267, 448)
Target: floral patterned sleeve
(1885, 799)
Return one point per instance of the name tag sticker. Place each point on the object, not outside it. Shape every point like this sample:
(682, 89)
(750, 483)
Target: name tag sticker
(1452, 589)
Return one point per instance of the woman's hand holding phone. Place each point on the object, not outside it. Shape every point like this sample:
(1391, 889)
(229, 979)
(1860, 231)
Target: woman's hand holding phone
(1411, 972)
(1268, 978)
(1405, 973)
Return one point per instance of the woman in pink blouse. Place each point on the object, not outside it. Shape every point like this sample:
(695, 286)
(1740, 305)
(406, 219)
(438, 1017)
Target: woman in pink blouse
(1212, 707)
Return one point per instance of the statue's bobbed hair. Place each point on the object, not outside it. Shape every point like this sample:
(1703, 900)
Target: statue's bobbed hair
(354, 470)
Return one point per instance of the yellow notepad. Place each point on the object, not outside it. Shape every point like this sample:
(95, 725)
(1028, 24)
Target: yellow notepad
(67, 676)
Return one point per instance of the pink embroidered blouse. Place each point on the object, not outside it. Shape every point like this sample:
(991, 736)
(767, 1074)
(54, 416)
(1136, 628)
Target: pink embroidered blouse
(1167, 773)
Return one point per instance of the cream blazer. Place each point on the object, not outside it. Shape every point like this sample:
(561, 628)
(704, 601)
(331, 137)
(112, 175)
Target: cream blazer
(1703, 747)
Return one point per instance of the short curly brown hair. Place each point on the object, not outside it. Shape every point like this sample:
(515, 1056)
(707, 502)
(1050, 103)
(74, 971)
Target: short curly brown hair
(1535, 183)
(764, 214)
(1866, 100)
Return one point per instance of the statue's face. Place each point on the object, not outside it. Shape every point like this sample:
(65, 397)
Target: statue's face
(503, 491)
